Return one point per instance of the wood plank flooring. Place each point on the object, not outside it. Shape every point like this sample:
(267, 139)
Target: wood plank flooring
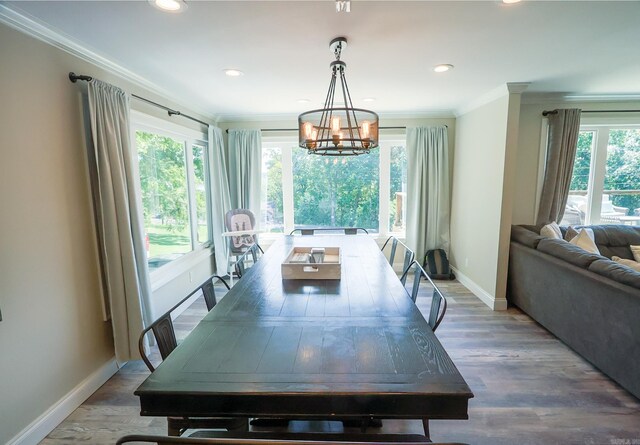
(529, 387)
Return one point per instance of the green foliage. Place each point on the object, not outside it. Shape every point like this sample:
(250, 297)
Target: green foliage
(623, 167)
(336, 191)
(163, 180)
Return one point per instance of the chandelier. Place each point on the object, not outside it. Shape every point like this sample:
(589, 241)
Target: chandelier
(338, 131)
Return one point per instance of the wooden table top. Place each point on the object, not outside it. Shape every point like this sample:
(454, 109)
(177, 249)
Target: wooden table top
(311, 348)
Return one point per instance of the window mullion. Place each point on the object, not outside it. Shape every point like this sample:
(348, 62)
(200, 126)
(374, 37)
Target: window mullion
(287, 188)
(385, 189)
(597, 174)
(193, 213)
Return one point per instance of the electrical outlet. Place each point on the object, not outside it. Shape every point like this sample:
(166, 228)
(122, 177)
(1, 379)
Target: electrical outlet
(190, 277)
(466, 261)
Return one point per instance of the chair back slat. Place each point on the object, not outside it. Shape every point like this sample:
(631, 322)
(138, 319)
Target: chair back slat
(438, 301)
(255, 251)
(209, 293)
(165, 335)
(345, 230)
(394, 247)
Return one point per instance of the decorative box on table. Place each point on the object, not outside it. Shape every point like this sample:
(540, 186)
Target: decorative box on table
(312, 263)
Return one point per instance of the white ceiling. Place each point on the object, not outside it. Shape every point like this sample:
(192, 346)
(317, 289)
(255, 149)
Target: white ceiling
(574, 47)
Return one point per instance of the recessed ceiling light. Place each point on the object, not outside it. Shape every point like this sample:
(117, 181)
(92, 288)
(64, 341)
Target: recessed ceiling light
(303, 101)
(442, 68)
(508, 2)
(169, 5)
(369, 99)
(233, 72)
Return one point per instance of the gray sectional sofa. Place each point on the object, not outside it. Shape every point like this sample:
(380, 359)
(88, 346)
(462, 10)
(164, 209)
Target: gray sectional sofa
(586, 300)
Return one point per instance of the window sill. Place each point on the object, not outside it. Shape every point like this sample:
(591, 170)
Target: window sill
(169, 272)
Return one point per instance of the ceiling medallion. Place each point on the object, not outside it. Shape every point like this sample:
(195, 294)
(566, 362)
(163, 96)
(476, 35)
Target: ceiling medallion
(342, 131)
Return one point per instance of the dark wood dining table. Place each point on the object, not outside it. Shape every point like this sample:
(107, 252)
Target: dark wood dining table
(314, 349)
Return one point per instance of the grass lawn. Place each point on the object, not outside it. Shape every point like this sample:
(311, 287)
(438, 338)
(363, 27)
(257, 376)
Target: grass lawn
(163, 241)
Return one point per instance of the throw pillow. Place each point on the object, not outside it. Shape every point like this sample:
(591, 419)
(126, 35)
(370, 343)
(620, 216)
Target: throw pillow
(551, 230)
(635, 250)
(629, 263)
(572, 232)
(584, 241)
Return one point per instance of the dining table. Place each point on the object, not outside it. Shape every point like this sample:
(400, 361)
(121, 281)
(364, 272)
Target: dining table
(352, 347)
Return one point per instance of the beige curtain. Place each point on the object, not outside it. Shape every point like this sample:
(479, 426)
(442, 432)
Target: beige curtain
(245, 170)
(564, 126)
(118, 215)
(428, 189)
(220, 200)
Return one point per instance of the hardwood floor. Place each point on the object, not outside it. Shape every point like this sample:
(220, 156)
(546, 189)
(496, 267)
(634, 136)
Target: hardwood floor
(529, 387)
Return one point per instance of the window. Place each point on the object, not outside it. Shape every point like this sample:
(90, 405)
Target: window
(301, 190)
(605, 186)
(173, 183)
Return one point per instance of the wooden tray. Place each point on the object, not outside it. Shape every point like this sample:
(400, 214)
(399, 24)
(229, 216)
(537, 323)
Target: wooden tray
(329, 269)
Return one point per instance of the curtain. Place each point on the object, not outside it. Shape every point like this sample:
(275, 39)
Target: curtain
(564, 126)
(118, 215)
(245, 170)
(220, 200)
(428, 189)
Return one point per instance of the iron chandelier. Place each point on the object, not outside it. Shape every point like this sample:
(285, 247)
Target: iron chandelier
(338, 131)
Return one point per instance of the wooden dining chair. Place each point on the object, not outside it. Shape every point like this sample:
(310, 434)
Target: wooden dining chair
(314, 439)
(337, 230)
(408, 254)
(254, 252)
(165, 336)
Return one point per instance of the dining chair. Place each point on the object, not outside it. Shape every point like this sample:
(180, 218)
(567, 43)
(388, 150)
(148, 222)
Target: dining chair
(315, 439)
(165, 336)
(255, 251)
(408, 254)
(209, 291)
(436, 311)
(337, 230)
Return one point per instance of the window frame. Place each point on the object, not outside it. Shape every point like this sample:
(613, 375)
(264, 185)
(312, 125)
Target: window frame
(598, 164)
(287, 143)
(190, 138)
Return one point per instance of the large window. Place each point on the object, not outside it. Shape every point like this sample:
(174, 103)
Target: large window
(301, 190)
(173, 181)
(605, 187)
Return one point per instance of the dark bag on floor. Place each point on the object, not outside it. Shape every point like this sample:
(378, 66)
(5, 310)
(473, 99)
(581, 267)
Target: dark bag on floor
(436, 265)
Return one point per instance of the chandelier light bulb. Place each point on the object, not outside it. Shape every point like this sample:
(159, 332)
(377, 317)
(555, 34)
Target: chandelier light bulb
(335, 124)
(366, 126)
(308, 129)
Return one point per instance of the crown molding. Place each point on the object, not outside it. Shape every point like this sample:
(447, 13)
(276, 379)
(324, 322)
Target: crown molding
(501, 91)
(31, 26)
(293, 117)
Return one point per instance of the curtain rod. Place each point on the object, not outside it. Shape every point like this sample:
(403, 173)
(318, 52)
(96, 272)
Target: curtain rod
(295, 129)
(73, 77)
(546, 112)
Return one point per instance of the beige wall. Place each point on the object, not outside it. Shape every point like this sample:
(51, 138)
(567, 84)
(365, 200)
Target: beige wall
(529, 143)
(52, 336)
(481, 196)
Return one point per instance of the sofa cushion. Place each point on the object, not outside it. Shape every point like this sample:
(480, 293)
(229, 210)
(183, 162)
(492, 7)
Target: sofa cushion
(617, 272)
(614, 240)
(635, 251)
(568, 252)
(525, 236)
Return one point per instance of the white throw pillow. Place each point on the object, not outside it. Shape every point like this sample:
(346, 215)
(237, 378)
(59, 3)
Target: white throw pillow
(584, 241)
(629, 263)
(635, 250)
(551, 230)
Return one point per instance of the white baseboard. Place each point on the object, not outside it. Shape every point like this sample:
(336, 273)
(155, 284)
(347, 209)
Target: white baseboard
(43, 425)
(483, 295)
